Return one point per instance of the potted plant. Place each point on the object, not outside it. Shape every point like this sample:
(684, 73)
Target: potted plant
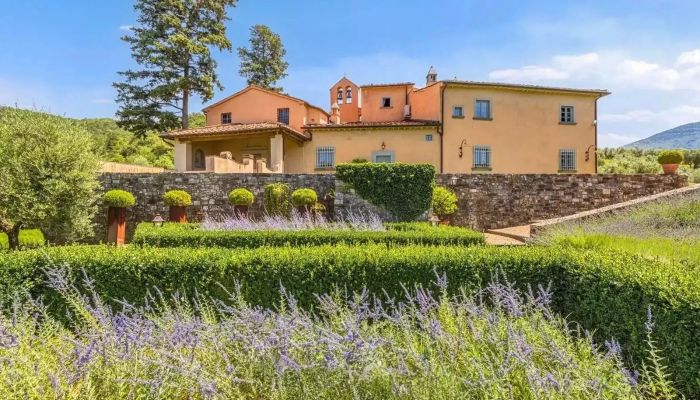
(303, 199)
(117, 202)
(670, 160)
(241, 200)
(444, 203)
(178, 201)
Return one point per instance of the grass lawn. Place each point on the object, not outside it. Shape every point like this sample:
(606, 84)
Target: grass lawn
(27, 238)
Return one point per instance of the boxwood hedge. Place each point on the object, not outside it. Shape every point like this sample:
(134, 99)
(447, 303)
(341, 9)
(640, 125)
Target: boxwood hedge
(608, 293)
(190, 235)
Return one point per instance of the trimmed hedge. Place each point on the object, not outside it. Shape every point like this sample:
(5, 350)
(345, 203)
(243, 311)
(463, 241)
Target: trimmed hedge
(670, 157)
(405, 190)
(28, 238)
(304, 197)
(190, 235)
(608, 293)
(119, 198)
(276, 200)
(241, 197)
(177, 198)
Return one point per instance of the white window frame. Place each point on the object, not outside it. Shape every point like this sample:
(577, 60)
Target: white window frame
(325, 151)
(567, 114)
(476, 109)
(389, 153)
(481, 149)
(457, 115)
(567, 165)
(390, 102)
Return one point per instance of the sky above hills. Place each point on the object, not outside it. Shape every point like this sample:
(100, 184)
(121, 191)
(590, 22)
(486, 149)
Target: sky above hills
(62, 56)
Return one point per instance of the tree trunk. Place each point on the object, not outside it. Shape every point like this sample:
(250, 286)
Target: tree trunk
(13, 238)
(186, 101)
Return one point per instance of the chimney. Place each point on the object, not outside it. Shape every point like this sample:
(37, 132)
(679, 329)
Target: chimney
(335, 113)
(431, 77)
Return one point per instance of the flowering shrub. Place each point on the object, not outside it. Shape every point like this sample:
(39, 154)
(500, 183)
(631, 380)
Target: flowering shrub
(177, 198)
(304, 197)
(119, 199)
(296, 221)
(417, 347)
(241, 197)
(244, 233)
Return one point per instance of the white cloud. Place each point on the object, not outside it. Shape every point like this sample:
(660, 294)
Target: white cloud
(689, 57)
(612, 70)
(672, 116)
(126, 28)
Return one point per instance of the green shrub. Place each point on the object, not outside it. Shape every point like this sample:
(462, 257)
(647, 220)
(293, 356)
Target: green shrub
(241, 197)
(28, 238)
(277, 199)
(444, 201)
(119, 198)
(189, 235)
(359, 160)
(670, 157)
(304, 197)
(405, 190)
(605, 292)
(177, 198)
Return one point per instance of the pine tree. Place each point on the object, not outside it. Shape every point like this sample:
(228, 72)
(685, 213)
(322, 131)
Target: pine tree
(172, 44)
(263, 63)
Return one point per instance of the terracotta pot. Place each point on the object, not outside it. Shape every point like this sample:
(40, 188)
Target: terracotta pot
(116, 225)
(670, 169)
(178, 214)
(241, 211)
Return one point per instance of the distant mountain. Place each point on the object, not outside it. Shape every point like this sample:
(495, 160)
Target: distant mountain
(682, 137)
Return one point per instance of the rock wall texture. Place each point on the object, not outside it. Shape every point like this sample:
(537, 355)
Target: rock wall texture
(209, 193)
(485, 201)
(499, 201)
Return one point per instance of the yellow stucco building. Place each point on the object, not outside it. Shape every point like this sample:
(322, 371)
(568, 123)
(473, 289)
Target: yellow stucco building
(458, 126)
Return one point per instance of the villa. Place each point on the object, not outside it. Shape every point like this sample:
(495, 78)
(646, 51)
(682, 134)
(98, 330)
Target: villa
(457, 126)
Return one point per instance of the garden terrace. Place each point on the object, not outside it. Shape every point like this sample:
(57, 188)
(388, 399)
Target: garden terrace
(605, 292)
(192, 235)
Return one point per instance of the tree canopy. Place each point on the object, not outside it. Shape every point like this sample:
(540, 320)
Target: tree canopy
(263, 62)
(172, 45)
(49, 176)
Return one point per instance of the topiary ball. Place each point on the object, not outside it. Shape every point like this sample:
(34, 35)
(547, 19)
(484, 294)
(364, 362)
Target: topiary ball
(241, 197)
(119, 199)
(304, 197)
(670, 157)
(177, 198)
(444, 201)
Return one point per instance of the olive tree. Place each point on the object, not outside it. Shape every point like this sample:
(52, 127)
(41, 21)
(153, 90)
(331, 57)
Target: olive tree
(48, 176)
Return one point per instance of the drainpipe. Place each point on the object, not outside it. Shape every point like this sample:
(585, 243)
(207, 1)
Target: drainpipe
(441, 127)
(595, 147)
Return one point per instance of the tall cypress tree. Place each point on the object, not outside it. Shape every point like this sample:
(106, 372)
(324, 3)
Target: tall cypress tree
(172, 45)
(263, 63)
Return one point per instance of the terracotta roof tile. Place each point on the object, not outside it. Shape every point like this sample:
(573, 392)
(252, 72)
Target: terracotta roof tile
(600, 92)
(383, 124)
(370, 85)
(235, 129)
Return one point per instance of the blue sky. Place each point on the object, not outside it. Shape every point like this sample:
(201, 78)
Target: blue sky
(62, 56)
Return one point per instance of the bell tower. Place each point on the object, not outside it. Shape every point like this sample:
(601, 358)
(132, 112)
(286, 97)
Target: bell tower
(431, 77)
(347, 97)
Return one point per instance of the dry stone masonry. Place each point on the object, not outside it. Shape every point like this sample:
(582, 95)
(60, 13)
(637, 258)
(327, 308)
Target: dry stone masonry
(485, 201)
(498, 201)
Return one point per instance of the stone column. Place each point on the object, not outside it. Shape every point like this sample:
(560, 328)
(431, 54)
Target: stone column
(277, 153)
(183, 156)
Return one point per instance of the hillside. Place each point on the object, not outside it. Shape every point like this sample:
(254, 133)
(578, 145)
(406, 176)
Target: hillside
(111, 143)
(682, 137)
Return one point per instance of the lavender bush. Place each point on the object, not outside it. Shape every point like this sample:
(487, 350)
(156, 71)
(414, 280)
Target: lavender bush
(499, 344)
(295, 222)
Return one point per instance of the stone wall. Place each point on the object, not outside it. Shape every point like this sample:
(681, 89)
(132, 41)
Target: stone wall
(209, 193)
(485, 201)
(491, 201)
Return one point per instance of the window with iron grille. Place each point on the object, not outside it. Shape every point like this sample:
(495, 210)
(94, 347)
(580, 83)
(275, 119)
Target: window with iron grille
(283, 116)
(567, 115)
(482, 109)
(226, 118)
(482, 157)
(567, 160)
(325, 157)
